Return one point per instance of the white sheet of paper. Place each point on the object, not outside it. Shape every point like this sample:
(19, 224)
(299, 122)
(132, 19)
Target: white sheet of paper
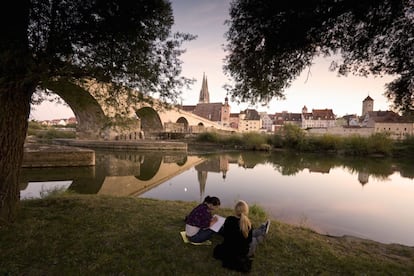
(217, 225)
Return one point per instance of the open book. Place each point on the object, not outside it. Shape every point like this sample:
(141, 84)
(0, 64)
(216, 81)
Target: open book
(218, 224)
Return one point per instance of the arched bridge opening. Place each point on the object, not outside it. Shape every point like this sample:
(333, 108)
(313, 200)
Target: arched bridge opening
(150, 120)
(183, 121)
(88, 112)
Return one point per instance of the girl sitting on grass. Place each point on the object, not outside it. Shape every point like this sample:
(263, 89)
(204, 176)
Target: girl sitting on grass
(240, 240)
(198, 222)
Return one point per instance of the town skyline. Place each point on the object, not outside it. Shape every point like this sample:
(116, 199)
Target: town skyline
(317, 88)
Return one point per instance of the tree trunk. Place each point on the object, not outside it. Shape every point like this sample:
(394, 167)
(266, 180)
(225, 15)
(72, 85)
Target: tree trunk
(17, 85)
(15, 105)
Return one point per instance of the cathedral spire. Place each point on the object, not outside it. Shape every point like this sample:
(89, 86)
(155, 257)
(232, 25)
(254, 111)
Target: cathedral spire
(204, 94)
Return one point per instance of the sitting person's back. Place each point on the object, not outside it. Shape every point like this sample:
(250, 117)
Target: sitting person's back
(233, 237)
(235, 247)
(240, 240)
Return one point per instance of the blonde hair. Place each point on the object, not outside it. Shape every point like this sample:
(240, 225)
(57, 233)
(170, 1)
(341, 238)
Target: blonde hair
(242, 210)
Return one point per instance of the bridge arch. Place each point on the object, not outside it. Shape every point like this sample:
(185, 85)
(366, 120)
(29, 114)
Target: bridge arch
(149, 167)
(150, 120)
(184, 121)
(88, 112)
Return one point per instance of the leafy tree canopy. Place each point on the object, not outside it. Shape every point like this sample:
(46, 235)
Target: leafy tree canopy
(127, 43)
(121, 43)
(271, 42)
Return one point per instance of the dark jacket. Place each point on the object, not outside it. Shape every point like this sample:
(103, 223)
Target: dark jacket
(235, 247)
(200, 216)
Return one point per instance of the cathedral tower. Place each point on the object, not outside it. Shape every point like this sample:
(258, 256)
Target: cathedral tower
(204, 94)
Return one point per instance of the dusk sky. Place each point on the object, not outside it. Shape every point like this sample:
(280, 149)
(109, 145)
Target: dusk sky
(317, 88)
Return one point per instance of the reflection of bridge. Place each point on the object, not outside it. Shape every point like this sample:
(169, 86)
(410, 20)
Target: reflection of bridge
(131, 185)
(118, 174)
(97, 117)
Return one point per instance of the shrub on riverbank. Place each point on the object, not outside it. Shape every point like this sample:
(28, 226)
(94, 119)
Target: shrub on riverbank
(248, 140)
(404, 147)
(100, 235)
(292, 137)
(378, 143)
(44, 132)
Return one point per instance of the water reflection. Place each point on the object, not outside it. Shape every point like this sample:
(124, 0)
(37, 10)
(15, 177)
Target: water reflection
(152, 168)
(378, 168)
(115, 173)
(330, 194)
(43, 189)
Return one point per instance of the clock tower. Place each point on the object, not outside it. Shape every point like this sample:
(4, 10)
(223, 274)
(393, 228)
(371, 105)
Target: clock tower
(367, 105)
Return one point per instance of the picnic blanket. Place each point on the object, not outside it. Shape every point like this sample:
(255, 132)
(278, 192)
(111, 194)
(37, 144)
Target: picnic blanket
(185, 240)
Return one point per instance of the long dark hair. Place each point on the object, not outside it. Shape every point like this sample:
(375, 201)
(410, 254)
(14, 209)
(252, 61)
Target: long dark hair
(215, 201)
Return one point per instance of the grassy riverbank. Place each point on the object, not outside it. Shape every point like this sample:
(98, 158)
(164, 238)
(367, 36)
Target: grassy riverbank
(96, 235)
(295, 139)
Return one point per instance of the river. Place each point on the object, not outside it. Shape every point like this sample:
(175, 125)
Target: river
(370, 198)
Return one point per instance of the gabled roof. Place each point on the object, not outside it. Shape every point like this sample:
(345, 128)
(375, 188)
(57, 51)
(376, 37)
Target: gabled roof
(272, 116)
(188, 108)
(288, 117)
(348, 116)
(368, 98)
(307, 116)
(251, 115)
(210, 111)
(323, 114)
(385, 117)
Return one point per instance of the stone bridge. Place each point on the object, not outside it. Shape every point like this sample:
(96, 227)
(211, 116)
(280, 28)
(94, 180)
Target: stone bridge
(100, 117)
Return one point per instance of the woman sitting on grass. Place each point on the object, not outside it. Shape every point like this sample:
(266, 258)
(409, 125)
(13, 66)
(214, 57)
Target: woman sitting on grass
(240, 240)
(200, 219)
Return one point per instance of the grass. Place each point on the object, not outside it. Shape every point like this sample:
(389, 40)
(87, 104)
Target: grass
(100, 235)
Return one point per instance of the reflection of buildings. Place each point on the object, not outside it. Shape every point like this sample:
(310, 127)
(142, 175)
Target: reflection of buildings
(218, 164)
(363, 177)
(319, 168)
(202, 180)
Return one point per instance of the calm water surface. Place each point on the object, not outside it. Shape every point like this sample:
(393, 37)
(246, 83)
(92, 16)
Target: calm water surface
(367, 198)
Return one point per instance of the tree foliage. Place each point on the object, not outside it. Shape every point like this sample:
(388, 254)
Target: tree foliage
(271, 42)
(128, 43)
(122, 43)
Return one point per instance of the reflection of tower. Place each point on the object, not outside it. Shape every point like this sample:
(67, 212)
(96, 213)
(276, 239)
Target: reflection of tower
(363, 178)
(224, 165)
(202, 180)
